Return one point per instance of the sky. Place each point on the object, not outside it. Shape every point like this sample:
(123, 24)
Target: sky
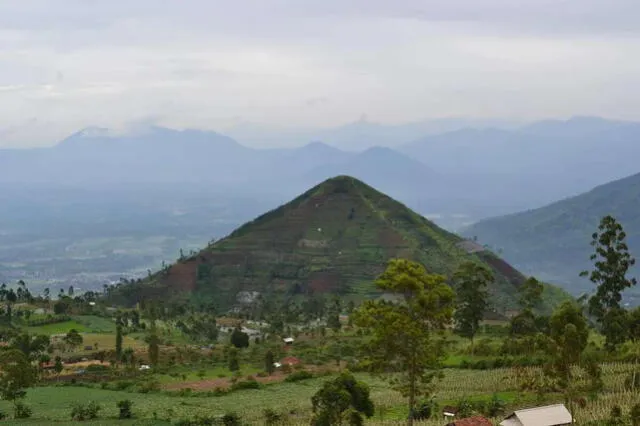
(212, 64)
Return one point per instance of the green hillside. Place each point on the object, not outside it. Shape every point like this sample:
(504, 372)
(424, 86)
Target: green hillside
(552, 242)
(335, 238)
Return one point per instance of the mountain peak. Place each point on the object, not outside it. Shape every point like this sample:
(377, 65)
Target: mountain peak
(335, 238)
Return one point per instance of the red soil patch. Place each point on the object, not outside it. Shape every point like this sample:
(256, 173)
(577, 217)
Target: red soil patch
(513, 275)
(388, 237)
(321, 282)
(290, 360)
(182, 276)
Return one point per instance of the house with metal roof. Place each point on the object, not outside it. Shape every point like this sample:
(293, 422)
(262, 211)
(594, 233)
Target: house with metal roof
(550, 415)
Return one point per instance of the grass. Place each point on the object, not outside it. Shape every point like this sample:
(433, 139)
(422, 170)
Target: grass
(108, 341)
(96, 324)
(191, 374)
(81, 323)
(58, 328)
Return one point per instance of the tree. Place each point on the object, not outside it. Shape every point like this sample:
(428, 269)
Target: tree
(70, 291)
(73, 338)
(128, 357)
(471, 281)
(611, 261)
(232, 357)
(57, 366)
(31, 346)
(569, 333)
(239, 339)
(531, 293)
(118, 342)
(16, 375)
(333, 321)
(154, 348)
(340, 399)
(403, 334)
(61, 307)
(523, 324)
(269, 360)
(124, 409)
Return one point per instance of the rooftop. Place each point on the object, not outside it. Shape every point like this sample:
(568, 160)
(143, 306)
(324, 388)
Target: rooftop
(550, 415)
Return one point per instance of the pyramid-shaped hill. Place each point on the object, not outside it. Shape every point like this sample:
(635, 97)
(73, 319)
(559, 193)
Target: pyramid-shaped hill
(335, 238)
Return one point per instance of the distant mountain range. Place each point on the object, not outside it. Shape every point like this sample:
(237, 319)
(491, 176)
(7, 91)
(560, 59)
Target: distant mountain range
(536, 164)
(552, 242)
(468, 172)
(359, 135)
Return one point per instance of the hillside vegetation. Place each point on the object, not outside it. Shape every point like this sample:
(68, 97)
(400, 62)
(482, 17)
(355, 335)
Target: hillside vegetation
(335, 238)
(552, 242)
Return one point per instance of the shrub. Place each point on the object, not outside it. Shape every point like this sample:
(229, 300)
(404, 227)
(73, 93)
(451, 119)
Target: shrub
(219, 392)
(271, 417)
(298, 376)
(85, 412)
(494, 407)
(231, 419)
(98, 368)
(484, 347)
(198, 421)
(148, 386)
(424, 410)
(21, 411)
(124, 408)
(247, 384)
(465, 408)
(123, 385)
(185, 392)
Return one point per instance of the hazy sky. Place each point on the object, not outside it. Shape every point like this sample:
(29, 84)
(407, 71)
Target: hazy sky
(67, 64)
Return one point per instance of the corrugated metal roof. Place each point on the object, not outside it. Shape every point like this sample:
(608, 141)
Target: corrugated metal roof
(551, 415)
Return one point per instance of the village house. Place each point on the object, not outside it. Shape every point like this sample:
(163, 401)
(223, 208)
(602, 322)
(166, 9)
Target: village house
(550, 415)
(288, 340)
(449, 412)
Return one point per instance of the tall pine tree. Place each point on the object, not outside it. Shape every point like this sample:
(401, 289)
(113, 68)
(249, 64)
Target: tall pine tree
(612, 260)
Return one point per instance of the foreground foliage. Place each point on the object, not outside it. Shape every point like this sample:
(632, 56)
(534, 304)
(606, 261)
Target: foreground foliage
(404, 335)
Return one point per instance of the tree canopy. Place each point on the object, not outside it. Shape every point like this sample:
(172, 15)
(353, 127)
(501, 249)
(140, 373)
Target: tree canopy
(404, 335)
(342, 399)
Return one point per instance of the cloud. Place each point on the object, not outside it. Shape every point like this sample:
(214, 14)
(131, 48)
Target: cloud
(312, 102)
(198, 63)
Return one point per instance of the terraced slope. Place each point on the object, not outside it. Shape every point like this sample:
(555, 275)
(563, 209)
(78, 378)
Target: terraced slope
(335, 238)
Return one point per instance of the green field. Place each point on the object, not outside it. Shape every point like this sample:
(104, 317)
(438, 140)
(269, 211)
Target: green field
(53, 404)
